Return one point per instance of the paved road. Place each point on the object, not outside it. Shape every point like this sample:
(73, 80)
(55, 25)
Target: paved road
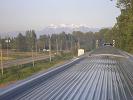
(23, 61)
(105, 76)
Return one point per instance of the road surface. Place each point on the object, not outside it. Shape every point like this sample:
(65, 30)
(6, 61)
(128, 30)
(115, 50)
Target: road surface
(105, 75)
(23, 61)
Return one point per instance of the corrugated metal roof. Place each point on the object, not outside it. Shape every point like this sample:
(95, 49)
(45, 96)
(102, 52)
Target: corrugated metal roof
(94, 78)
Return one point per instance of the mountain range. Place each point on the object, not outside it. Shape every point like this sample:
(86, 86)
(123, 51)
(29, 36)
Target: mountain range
(51, 29)
(67, 28)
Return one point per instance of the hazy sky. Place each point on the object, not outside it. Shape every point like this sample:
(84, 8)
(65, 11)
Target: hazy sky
(20, 15)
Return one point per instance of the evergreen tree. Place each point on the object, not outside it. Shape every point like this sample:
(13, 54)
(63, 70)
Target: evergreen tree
(21, 42)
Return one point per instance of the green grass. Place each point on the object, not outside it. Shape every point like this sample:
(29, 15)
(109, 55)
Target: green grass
(20, 72)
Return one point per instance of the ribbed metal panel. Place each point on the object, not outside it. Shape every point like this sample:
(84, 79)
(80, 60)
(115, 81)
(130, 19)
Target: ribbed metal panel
(94, 78)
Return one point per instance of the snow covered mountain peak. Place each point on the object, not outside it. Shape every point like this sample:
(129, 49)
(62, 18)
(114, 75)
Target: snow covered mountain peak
(67, 26)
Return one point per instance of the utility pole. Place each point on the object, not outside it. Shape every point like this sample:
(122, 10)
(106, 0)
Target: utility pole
(33, 62)
(66, 45)
(57, 46)
(44, 46)
(32, 49)
(50, 48)
(78, 44)
(1, 60)
(71, 43)
(61, 47)
(96, 43)
(36, 46)
(72, 50)
(7, 41)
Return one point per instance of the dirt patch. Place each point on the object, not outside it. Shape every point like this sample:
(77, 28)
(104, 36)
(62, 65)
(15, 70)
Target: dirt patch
(3, 85)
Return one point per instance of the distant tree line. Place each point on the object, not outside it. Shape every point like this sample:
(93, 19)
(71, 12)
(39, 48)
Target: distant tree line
(60, 42)
(21, 42)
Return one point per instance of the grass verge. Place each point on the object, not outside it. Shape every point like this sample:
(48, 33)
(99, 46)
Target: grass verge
(20, 72)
